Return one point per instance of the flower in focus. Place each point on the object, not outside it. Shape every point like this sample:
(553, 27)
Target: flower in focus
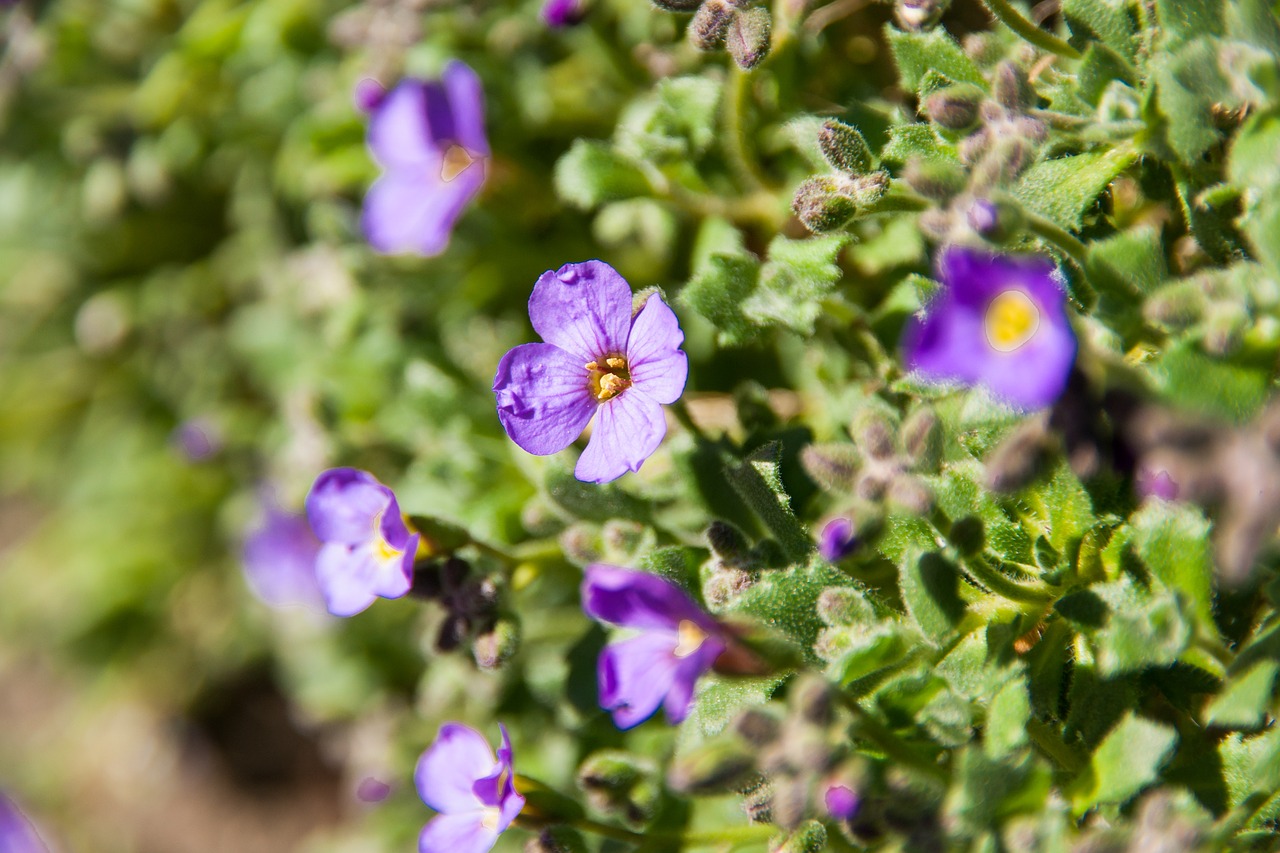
(429, 139)
(838, 540)
(279, 560)
(597, 358)
(677, 643)
(368, 551)
(1000, 321)
(17, 835)
(561, 13)
(473, 791)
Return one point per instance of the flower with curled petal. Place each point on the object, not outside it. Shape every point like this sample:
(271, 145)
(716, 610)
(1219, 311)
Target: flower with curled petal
(279, 560)
(472, 789)
(597, 360)
(368, 551)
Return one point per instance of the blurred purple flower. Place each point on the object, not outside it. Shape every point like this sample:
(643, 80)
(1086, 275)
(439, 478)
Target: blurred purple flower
(368, 551)
(837, 540)
(279, 560)
(17, 835)
(678, 642)
(841, 802)
(562, 13)
(197, 438)
(429, 138)
(1000, 322)
(473, 791)
(371, 790)
(597, 357)
(1156, 483)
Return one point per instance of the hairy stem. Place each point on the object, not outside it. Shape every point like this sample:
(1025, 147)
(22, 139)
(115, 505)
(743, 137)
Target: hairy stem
(735, 137)
(1012, 18)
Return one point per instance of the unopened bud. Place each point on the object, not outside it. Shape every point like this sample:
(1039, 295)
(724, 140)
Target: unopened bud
(496, 646)
(974, 146)
(580, 544)
(910, 493)
(758, 804)
(808, 837)
(936, 179)
(1224, 329)
(453, 631)
(821, 204)
(936, 223)
(919, 14)
(874, 434)
(982, 47)
(866, 190)
(1176, 306)
(621, 537)
(539, 519)
(844, 148)
(996, 220)
(841, 605)
(921, 436)
(1012, 88)
(726, 542)
(677, 5)
(1020, 459)
(838, 540)
(841, 801)
(757, 727)
(832, 466)
(748, 37)
(967, 535)
(710, 24)
(724, 586)
(954, 107)
(611, 770)
(716, 766)
(556, 839)
(1007, 158)
(813, 697)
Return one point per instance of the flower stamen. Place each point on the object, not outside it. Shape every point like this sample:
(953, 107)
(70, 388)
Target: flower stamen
(1011, 320)
(691, 638)
(609, 380)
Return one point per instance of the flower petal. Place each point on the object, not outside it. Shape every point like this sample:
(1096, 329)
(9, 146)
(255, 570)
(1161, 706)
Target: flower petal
(399, 135)
(1035, 375)
(543, 399)
(449, 769)
(974, 277)
(655, 360)
(635, 599)
(345, 579)
(628, 429)
(343, 503)
(394, 573)
(466, 106)
(17, 835)
(635, 676)
(687, 672)
(585, 309)
(279, 561)
(415, 209)
(457, 833)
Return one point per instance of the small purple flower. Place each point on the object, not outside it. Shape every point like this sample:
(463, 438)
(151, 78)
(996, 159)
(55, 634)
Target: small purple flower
(473, 791)
(1156, 483)
(279, 560)
(371, 790)
(999, 322)
(597, 358)
(198, 439)
(841, 802)
(368, 551)
(429, 138)
(838, 540)
(17, 835)
(562, 13)
(677, 643)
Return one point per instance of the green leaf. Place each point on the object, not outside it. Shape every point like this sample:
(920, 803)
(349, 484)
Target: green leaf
(1128, 264)
(1007, 717)
(592, 502)
(1062, 190)
(1182, 21)
(1244, 702)
(1192, 379)
(1108, 21)
(786, 600)
(718, 701)
(591, 173)
(677, 120)
(1173, 541)
(1254, 163)
(1251, 766)
(931, 591)
(919, 53)
(1061, 507)
(989, 789)
(718, 290)
(1099, 69)
(1127, 760)
(757, 481)
(795, 279)
(915, 140)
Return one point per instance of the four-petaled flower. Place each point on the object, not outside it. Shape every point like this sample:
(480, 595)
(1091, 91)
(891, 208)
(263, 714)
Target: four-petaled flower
(677, 643)
(279, 560)
(597, 358)
(429, 138)
(368, 551)
(17, 835)
(1000, 321)
(473, 791)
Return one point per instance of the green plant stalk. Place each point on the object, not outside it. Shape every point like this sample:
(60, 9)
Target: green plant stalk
(735, 137)
(1057, 235)
(883, 737)
(1025, 29)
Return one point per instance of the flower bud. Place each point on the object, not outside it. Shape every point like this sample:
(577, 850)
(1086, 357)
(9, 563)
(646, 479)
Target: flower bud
(1020, 458)
(1175, 307)
(556, 839)
(911, 493)
(612, 771)
(935, 179)
(874, 434)
(622, 538)
(821, 205)
(1004, 161)
(1012, 88)
(710, 24)
(718, 766)
(453, 631)
(982, 47)
(809, 837)
(580, 544)
(954, 107)
(748, 37)
(814, 698)
(996, 220)
(539, 519)
(832, 466)
(841, 605)
(756, 726)
(921, 437)
(838, 539)
(496, 646)
(841, 801)
(677, 5)
(727, 542)
(1224, 329)
(919, 14)
(844, 148)
(866, 190)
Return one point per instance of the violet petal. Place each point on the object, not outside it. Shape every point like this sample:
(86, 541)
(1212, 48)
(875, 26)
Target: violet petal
(585, 309)
(343, 503)
(688, 670)
(447, 772)
(463, 832)
(635, 599)
(279, 560)
(466, 103)
(346, 578)
(398, 135)
(543, 399)
(628, 430)
(415, 209)
(635, 676)
(655, 360)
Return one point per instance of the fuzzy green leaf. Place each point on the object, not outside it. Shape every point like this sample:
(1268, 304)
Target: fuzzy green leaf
(1062, 190)
(591, 173)
(931, 590)
(718, 290)
(1126, 761)
(1173, 540)
(919, 53)
(1246, 698)
(795, 279)
(1108, 21)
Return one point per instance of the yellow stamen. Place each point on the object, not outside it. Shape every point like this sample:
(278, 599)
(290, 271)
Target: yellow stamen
(456, 160)
(615, 363)
(382, 548)
(691, 638)
(591, 365)
(608, 381)
(1011, 320)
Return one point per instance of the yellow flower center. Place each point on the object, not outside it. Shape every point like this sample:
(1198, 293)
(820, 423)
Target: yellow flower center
(456, 160)
(609, 379)
(1011, 320)
(382, 549)
(691, 638)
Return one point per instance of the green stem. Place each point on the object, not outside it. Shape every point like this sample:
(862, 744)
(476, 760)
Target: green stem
(884, 738)
(1012, 18)
(1037, 595)
(617, 833)
(735, 105)
(1058, 236)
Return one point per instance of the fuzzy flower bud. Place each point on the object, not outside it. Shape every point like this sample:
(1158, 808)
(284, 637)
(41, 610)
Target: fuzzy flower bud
(809, 837)
(822, 206)
(710, 24)
(832, 466)
(495, 647)
(911, 493)
(841, 605)
(935, 179)
(677, 5)
(919, 14)
(844, 148)
(839, 539)
(1012, 89)
(556, 839)
(1004, 161)
(748, 37)
(717, 766)
(726, 542)
(874, 435)
(866, 190)
(995, 220)
(922, 439)
(954, 107)
(1020, 459)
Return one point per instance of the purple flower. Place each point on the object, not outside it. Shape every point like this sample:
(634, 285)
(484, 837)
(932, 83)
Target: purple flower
(677, 643)
(597, 358)
(17, 835)
(474, 792)
(368, 551)
(562, 13)
(371, 790)
(279, 560)
(1156, 483)
(429, 138)
(999, 322)
(841, 802)
(838, 540)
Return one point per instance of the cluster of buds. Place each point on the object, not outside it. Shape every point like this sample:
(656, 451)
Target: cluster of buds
(621, 784)
(471, 608)
(736, 26)
(384, 30)
(827, 202)
(1214, 306)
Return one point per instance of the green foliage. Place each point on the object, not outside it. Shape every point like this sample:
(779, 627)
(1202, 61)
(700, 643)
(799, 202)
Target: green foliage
(1127, 760)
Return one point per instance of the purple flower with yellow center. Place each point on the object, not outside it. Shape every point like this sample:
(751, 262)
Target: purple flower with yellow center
(597, 359)
(429, 139)
(676, 644)
(1000, 321)
(17, 835)
(473, 791)
(279, 560)
(368, 551)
